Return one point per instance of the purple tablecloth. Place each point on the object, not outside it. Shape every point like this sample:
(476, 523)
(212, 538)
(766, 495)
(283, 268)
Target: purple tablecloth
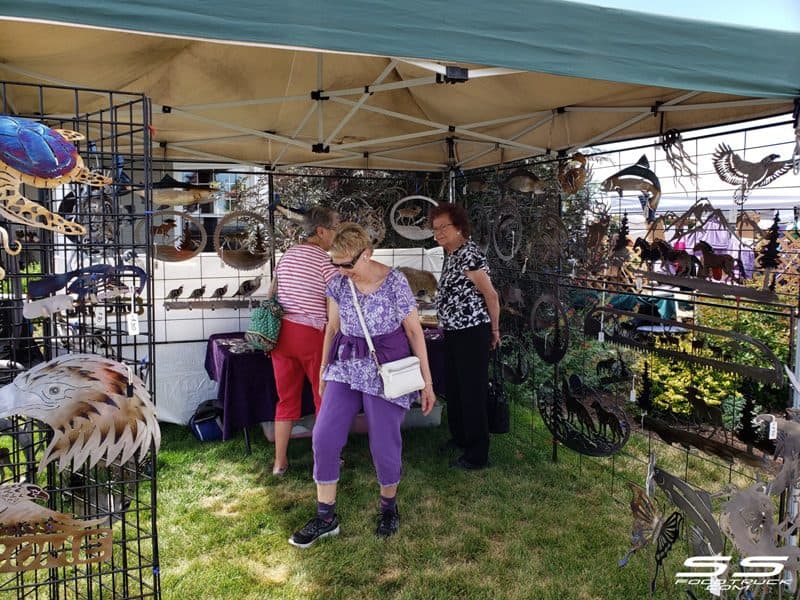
(247, 383)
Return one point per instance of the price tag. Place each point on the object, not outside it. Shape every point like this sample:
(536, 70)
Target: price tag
(601, 337)
(773, 430)
(632, 395)
(132, 317)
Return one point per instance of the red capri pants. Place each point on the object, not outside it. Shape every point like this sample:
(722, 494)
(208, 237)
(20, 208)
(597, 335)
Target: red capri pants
(298, 355)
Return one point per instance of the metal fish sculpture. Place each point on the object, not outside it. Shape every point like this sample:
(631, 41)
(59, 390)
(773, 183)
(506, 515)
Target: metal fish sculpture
(522, 180)
(171, 192)
(636, 178)
(17, 506)
(96, 408)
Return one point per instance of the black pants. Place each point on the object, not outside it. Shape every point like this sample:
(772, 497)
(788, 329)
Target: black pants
(467, 382)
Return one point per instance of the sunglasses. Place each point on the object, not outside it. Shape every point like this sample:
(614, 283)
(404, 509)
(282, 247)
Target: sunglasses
(348, 265)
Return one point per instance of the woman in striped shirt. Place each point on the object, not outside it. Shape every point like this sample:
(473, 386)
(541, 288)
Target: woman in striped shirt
(303, 273)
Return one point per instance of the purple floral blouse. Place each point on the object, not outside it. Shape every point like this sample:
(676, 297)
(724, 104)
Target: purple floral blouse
(384, 311)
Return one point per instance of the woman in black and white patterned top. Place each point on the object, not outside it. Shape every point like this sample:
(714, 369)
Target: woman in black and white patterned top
(469, 312)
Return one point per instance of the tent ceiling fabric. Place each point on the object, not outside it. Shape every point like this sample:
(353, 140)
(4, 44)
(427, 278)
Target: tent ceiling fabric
(253, 103)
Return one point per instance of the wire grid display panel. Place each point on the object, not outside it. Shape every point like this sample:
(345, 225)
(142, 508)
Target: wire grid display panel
(119, 498)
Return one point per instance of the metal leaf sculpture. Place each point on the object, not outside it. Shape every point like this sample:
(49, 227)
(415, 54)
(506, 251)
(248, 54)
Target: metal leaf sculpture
(35, 537)
(34, 154)
(96, 408)
(732, 169)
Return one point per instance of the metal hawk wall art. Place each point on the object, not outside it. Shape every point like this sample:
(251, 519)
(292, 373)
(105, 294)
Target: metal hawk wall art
(746, 175)
(37, 155)
(97, 409)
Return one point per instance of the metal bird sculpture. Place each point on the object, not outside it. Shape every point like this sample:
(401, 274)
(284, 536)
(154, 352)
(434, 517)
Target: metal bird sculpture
(17, 507)
(175, 294)
(219, 293)
(637, 178)
(522, 180)
(248, 287)
(732, 169)
(198, 293)
(96, 407)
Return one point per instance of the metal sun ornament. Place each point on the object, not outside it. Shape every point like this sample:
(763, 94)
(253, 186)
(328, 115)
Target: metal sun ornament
(34, 154)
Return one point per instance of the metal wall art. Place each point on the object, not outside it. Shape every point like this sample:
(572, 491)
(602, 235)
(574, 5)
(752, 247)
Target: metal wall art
(617, 328)
(171, 192)
(573, 173)
(409, 217)
(746, 175)
(549, 328)
(636, 178)
(602, 431)
(176, 235)
(97, 408)
(37, 155)
(35, 537)
(242, 240)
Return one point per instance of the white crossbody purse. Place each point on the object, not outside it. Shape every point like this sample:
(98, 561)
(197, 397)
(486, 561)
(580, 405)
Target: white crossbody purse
(400, 377)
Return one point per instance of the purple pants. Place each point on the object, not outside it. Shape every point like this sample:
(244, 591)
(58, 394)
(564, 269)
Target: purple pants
(340, 405)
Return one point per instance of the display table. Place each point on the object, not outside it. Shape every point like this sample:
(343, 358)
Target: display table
(247, 382)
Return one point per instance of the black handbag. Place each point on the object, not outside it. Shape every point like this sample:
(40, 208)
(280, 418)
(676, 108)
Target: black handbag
(497, 409)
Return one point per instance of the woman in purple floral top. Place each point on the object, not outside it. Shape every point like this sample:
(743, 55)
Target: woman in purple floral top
(351, 383)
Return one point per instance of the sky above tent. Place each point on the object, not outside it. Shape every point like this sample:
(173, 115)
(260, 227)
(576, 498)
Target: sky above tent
(782, 15)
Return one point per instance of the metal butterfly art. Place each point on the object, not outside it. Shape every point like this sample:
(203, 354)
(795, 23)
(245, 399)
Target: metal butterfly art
(649, 525)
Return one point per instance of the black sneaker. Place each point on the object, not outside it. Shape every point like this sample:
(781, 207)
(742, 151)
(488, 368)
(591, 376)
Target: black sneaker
(313, 530)
(388, 523)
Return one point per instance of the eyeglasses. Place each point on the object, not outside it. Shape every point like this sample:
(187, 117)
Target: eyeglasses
(348, 265)
(441, 228)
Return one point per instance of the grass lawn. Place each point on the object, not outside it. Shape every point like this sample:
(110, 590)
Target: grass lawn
(525, 528)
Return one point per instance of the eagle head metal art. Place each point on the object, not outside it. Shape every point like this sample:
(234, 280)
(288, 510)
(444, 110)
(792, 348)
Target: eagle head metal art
(97, 410)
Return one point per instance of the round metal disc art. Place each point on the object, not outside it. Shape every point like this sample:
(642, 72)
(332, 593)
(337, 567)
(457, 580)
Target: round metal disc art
(577, 419)
(549, 329)
(409, 217)
(514, 359)
(507, 231)
(176, 235)
(242, 240)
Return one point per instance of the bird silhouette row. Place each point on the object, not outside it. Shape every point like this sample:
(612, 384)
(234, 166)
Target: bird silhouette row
(246, 288)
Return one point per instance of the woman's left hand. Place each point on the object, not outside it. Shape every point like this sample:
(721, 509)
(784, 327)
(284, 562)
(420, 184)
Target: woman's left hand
(495, 339)
(427, 399)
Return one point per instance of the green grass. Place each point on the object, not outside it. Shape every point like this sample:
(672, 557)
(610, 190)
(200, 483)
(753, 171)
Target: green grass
(525, 528)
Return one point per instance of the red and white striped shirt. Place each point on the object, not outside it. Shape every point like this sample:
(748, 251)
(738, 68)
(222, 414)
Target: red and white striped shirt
(303, 273)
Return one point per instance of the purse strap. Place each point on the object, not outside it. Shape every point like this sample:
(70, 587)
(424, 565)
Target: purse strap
(273, 286)
(367, 336)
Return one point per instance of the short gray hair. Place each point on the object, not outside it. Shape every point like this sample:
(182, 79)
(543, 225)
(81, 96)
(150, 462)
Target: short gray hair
(317, 216)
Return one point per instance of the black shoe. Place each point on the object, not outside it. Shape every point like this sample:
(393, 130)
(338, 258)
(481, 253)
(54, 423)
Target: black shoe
(313, 530)
(388, 523)
(464, 464)
(449, 445)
